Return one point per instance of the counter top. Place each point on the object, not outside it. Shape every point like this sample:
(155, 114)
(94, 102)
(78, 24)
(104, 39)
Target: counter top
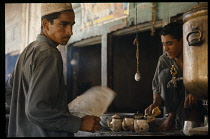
(106, 132)
(109, 133)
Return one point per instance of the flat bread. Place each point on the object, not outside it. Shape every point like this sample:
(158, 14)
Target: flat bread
(156, 111)
(94, 101)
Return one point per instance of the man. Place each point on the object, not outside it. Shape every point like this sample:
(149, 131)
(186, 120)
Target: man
(178, 107)
(36, 90)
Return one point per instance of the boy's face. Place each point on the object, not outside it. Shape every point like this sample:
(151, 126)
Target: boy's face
(172, 46)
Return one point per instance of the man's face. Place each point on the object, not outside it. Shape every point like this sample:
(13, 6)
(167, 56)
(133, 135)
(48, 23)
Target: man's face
(61, 29)
(171, 46)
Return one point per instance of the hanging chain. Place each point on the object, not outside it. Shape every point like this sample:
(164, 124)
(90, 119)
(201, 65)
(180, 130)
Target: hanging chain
(137, 53)
(136, 21)
(136, 42)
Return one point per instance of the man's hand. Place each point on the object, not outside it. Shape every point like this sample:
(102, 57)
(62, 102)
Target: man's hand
(90, 123)
(190, 101)
(157, 101)
(148, 110)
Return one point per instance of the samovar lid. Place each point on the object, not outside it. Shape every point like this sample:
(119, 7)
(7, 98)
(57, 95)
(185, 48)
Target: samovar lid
(200, 9)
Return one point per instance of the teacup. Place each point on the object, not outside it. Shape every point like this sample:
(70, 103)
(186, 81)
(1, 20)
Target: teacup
(188, 125)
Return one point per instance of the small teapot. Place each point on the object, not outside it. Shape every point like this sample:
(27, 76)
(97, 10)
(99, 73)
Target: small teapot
(140, 124)
(128, 124)
(116, 123)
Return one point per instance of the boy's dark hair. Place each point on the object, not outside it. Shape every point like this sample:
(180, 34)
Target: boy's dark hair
(173, 29)
(51, 17)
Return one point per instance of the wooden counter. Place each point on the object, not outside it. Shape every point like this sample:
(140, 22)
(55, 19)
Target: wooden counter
(109, 133)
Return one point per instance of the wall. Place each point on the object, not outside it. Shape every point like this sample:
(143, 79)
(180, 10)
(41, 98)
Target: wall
(13, 20)
(164, 11)
(23, 21)
(23, 24)
(85, 36)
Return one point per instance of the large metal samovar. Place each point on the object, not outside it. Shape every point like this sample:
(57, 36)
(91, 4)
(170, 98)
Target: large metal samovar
(195, 57)
(195, 50)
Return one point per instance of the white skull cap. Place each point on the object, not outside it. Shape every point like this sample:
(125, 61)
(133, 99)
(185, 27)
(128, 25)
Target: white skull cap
(49, 8)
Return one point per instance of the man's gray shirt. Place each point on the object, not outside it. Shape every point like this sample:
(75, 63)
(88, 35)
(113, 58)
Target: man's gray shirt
(36, 93)
(164, 62)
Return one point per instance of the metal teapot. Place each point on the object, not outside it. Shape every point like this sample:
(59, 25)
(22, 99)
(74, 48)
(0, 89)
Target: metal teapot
(116, 123)
(140, 123)
(128, 124)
